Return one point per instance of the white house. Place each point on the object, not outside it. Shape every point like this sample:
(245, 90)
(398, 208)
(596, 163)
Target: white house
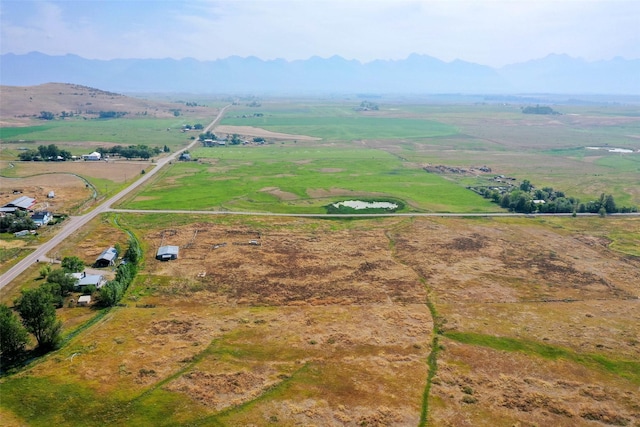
(93, 156)
(85, 279)
(41, 218)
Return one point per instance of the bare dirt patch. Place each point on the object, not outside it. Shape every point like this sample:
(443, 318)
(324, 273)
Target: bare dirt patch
(223, 389)
(69, 191)
(253, 131)
(282, 195)
(115, 171)
(320, 193)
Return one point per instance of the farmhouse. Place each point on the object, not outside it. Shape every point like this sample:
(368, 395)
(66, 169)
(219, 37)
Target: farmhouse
(41, 218)
(85, 279)
(107, 258)
(23, 203)
(93, 156)
(166, 253)
(84, 300)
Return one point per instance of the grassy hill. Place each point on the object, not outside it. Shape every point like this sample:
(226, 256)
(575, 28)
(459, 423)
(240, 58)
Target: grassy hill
(29, 101)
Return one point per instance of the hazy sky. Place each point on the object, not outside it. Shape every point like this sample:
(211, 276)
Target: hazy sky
(488, 32)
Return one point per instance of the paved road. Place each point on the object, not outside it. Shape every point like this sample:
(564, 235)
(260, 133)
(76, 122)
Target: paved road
(75, 222)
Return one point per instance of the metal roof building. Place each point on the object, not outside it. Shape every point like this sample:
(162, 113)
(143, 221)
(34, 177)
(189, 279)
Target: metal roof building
(166, 253)
(107, 258)
(22, 202)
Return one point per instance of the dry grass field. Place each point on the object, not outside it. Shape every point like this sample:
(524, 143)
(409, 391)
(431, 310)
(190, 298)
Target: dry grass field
(20, 104)
(298, 322)
(77, 185)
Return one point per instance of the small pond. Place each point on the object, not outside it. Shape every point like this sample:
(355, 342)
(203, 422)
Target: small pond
(359, 204)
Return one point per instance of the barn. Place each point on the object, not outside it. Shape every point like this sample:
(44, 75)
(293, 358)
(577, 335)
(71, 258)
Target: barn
(166, 253)
(23, 203)
(107, 258)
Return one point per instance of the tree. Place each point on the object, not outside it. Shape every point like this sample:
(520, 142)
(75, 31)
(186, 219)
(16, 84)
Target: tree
(525, 185)
(29, 155)
(35, 306)
(46, 115)
(133, 253)
(45, 270)
(13, 336)
(72, 264)
(610, 204)
(66, 281)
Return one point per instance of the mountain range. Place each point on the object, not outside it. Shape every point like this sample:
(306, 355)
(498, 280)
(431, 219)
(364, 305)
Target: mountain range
(417, 74)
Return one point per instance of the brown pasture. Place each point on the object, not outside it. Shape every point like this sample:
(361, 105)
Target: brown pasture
(325, 323)
(20, 104)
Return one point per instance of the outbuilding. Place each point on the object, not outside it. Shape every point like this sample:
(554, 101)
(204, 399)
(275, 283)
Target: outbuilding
(93, 156)
(166, 253)
(23, 203)
(84, 300)
(107, 258)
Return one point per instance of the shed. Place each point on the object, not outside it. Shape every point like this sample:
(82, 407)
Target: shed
(107, 258)
(84, 300)
(166, 253)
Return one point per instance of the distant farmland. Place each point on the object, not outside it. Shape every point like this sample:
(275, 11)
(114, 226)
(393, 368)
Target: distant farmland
(278, 320)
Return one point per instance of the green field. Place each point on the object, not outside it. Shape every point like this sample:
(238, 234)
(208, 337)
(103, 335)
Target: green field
(348, 127)
(546, 150)
(279, 178)
(125, 131)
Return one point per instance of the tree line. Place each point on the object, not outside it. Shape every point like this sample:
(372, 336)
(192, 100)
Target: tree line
(528, 199)
(49, 115)
(17, 221)
(113, 291)
(130, 152)
(45, 153)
